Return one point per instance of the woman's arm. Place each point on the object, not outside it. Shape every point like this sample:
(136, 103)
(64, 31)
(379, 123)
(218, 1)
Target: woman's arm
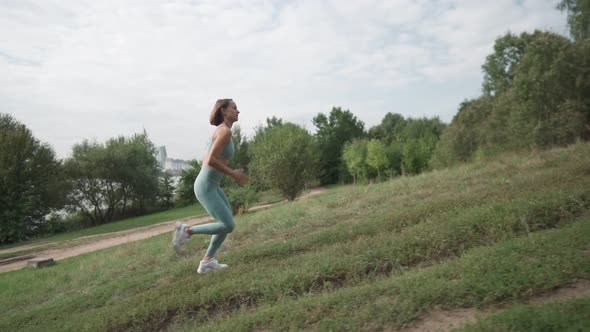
(223, 138)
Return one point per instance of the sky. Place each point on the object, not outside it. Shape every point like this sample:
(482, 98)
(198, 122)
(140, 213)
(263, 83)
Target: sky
(86, 69)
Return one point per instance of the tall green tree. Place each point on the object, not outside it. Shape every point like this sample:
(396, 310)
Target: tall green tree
(394, 154)
(271, 122)
(333, 131)
(578, 17)
(112, 177)
(421, 128)
(260, 133)
(95, 193)
(545, 103)
(377, 156)
(31, 181)
(396, 132)
(500, 67)
(240, 159)
(285, 158)
(355, 157)
(132, 162)
(143, 160)
(390, 129)
(166, 190)
(416, 156)
(552, 87)
(463, 137)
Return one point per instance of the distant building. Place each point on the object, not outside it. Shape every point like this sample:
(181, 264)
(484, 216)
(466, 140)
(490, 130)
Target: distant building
(174, 166)
(162, 156)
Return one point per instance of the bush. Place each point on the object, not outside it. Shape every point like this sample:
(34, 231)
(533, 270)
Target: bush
(58, 223)
(284, 157)
(242, 198)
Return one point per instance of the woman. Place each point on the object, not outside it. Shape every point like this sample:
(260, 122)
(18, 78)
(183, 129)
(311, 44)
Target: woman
(207, 189)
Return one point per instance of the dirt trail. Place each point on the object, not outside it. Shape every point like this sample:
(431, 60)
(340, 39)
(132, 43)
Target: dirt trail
(101, 241)
(446, 320)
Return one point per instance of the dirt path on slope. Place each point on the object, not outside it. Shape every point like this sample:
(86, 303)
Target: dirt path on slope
(446, 320)
(91, 243)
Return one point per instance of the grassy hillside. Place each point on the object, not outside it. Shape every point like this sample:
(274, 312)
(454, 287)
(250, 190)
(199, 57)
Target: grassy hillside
(357, 257)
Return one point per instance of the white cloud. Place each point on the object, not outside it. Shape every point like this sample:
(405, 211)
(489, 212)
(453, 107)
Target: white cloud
(97, 69)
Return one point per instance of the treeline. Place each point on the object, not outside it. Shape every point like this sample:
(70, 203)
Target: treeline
(99, 183)
(535, 94)
(286, 157)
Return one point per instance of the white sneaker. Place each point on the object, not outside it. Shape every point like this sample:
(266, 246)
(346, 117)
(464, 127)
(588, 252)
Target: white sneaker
(179, 236)
(211, 266)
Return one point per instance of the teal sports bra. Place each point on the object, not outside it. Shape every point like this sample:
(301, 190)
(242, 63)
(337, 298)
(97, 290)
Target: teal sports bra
(227, 152)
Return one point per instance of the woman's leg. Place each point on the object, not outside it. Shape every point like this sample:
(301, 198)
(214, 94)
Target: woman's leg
(215, 202)
(222, 194)
(209, 196)
(217, 239)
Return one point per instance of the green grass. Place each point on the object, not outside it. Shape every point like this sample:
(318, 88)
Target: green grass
(571, 315)
(130, 223)
(509, 271)
(116, 226)
(269, 196)
(18, 253)
(353, 258)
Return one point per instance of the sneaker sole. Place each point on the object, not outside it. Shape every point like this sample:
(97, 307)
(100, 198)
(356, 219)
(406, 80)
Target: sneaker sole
(209, 270)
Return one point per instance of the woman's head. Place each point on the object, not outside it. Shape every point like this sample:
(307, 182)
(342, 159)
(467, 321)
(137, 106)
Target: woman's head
(224, 109)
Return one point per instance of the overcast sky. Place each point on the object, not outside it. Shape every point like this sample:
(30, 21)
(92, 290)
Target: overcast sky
(98, 69)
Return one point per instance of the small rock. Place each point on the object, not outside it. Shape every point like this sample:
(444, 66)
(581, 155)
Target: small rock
(40, 262)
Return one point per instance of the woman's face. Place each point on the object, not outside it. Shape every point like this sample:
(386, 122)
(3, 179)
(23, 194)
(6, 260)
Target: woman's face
(231, 112)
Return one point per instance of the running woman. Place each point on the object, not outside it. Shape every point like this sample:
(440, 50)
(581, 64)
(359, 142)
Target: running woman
(209, 194)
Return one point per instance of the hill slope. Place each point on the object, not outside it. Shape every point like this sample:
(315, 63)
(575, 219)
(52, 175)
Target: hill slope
(357, 257)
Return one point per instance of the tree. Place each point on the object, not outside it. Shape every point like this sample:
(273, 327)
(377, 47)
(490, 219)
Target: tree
(552, 87)
(376, 156)
(185, 193)
(285, 158)
(394, 152)
(92, 187)
(416, 156)
(500, 66)
(355, 157)
(31, 181)
(271, 122)
(545, 103)
(390, 129)
(106, 178)
(166, 190)
(333, 132)
(240, 159)
(145, 171)
(578, 17)
(132, 162)
(421, 128)
(462, 138)
(260, 133)
(396, 132)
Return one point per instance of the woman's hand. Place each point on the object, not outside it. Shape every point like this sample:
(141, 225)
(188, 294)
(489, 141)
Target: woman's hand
(240, 177)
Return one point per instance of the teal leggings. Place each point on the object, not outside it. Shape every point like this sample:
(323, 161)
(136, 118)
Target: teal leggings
(215, 202)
